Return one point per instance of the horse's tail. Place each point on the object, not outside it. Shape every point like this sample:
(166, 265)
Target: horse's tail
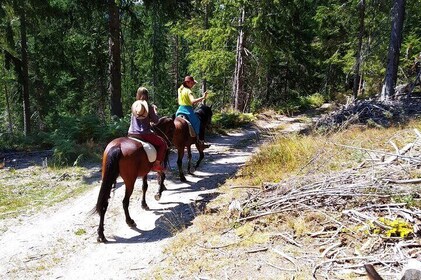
(110, 172)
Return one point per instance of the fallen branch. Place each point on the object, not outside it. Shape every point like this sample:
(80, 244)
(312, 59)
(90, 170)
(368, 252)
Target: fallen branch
(333, 246)
(290, 240)
(257, 250)
(408, 181)
(289, 258)
(380, 152)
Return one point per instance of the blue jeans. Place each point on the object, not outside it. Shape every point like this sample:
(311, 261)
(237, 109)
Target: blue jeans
(189, 112)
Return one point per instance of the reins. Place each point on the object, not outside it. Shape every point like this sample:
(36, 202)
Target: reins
(169, 142)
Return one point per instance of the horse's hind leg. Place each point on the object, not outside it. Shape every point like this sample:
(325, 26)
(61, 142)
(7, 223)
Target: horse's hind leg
(161, 179)
(189, 156)
(201, 156)
(180, 154)
(101, 236)
(144, 190)
(129, 190)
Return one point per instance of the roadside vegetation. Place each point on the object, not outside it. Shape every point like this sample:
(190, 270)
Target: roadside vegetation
(249, 247)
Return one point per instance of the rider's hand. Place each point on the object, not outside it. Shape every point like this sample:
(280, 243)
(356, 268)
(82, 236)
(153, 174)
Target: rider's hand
(154, 108)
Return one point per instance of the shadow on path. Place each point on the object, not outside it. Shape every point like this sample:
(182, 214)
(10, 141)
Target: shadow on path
(221, 162)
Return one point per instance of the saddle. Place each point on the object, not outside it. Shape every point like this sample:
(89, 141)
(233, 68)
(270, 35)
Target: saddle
(191, 129)
(148, 147)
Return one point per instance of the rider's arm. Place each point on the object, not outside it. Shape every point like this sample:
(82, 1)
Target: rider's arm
(197, 100)
(153, 113)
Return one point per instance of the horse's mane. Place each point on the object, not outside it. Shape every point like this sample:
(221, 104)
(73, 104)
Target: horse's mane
(162, 119)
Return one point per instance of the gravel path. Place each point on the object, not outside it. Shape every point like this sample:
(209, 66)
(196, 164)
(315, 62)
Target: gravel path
(60, 242)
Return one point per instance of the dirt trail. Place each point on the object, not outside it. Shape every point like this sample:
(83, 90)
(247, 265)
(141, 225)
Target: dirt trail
(48, 246)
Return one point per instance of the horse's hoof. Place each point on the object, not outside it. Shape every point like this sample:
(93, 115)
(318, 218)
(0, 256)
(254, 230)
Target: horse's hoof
(145, 207)
(131, 223)
(158, 196)
(183, 179)
(101, 239)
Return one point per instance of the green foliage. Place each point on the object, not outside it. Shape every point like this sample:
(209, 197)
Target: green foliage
(82, 138)
(229, 120)
(312, 101)
(301, 103)
(409, 199)
(292, 50)
(19, 142)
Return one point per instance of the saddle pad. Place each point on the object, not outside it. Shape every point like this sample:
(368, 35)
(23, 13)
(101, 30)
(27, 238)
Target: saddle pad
(149, 149)
(191, 129)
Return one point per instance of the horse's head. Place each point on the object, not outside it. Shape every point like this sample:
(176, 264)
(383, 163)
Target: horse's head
(165, 128)
(205, 114)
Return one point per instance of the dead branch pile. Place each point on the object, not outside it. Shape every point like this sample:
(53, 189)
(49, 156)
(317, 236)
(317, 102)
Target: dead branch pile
(372, 112)
(372, 211)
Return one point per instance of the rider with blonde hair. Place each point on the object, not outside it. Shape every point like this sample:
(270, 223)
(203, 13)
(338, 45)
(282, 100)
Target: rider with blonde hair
(140, 126)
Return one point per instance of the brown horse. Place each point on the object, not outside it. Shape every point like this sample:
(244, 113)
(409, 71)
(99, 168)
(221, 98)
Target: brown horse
(126, 157)
(182, 138)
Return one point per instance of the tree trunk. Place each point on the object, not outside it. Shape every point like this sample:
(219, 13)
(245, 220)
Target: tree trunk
(238, 81)
(176, 70)
(398, 15)
(9, 112)
(357, 75)
(115, 59)
(206, 26)
(25, 72)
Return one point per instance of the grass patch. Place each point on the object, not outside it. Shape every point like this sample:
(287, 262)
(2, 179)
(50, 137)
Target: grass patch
(297, 154)
(29, 190)
(80, 231)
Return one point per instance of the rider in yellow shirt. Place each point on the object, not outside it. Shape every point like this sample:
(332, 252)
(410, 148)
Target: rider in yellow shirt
(186, 100)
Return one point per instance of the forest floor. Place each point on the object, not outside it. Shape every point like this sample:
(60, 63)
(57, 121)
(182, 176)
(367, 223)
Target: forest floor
(60, 241)
(194, 231)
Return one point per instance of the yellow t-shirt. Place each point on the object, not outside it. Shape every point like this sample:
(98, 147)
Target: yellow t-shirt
(184, 96)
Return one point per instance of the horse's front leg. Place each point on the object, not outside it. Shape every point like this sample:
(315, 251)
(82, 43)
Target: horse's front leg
(201, 156)
(161, 179)
(189, 156)
(180, 154)
(144, 190)
(126, 200)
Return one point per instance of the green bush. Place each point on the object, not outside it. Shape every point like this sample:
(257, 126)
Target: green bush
(229, 120)
(301, 103)
(312, 101)
(79, 139)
